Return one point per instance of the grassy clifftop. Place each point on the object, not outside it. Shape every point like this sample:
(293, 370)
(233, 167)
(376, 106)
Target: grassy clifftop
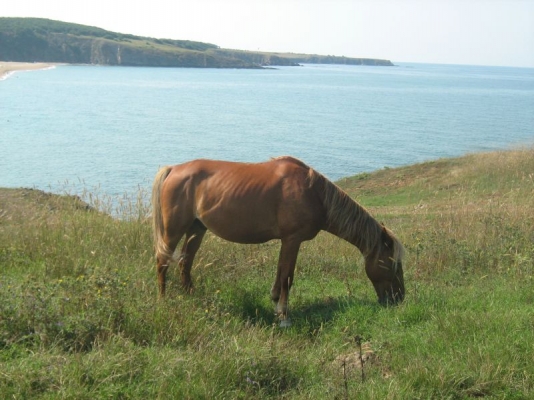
(43, 40)
(79, 315)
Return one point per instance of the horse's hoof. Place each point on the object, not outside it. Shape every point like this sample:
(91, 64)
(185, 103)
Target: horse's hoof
(285, 323)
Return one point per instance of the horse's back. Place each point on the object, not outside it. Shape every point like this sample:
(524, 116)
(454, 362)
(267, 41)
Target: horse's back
(232, 174)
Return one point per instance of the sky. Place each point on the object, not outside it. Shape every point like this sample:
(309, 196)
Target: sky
(472, 32)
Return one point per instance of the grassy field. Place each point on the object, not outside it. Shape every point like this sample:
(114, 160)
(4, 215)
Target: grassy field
(80, 319)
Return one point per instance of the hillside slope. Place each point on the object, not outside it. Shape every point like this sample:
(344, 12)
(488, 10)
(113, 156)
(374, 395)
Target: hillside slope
(80, 317)
(43, 40)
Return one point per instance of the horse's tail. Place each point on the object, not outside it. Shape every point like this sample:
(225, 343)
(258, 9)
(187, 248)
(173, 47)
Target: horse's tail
(162, 250)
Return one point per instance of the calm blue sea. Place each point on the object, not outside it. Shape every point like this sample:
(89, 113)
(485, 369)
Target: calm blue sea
(112, 127)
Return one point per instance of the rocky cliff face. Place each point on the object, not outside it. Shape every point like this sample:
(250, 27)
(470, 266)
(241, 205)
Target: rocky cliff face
(64, 48)
(40, 40)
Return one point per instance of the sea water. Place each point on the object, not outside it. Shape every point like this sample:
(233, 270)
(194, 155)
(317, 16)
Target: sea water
(112, 127)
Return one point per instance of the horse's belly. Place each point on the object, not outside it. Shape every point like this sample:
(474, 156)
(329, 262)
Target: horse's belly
(241, 227)
(247, 233)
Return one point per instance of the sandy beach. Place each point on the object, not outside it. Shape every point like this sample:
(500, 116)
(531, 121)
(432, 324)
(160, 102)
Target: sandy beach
(7, 67)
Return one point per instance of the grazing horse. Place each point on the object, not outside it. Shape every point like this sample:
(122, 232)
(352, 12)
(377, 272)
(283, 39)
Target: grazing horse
(253, 203)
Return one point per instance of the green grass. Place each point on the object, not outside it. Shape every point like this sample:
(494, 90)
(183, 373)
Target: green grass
(80, 319)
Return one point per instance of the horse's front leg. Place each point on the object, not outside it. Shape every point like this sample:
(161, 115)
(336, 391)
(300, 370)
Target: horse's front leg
(284, 279)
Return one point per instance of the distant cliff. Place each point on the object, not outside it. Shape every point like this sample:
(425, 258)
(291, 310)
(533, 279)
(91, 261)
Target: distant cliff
(266, 59)
(43, 40)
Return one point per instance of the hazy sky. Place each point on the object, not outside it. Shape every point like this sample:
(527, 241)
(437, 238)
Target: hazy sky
(484, 32)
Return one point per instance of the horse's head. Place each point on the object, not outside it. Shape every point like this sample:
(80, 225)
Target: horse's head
(384, 268)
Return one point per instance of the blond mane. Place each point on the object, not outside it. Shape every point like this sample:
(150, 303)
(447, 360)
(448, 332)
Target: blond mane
(351, 221)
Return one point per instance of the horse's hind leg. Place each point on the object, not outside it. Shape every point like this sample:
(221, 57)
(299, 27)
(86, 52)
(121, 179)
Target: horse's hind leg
(170, 239)
(162, 264)
(193, 239)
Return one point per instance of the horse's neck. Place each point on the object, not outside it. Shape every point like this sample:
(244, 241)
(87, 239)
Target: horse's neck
(354, 224)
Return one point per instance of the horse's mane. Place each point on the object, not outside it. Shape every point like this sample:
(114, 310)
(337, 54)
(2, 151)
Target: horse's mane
(350, 220)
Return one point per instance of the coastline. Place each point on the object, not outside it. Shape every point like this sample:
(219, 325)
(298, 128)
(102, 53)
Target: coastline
(8, 67)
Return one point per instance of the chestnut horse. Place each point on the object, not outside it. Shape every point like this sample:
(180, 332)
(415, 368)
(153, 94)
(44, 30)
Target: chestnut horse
(253, 203)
